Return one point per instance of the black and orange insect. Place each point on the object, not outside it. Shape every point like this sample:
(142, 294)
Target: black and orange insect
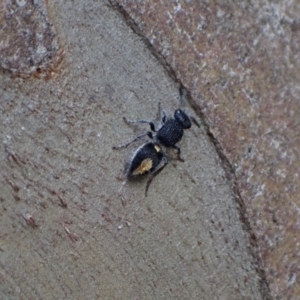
(150, 157)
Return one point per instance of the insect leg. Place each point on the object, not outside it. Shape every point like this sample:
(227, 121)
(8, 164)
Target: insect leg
(165, 160)
(134, 140)
(178, 153)
(161, 114)
(152, 127)
(164, 117)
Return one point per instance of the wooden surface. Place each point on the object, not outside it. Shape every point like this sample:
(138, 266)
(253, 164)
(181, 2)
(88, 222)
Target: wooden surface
(67, 230)
(240, 61)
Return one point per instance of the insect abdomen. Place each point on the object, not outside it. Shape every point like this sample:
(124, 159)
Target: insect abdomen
(145, 160)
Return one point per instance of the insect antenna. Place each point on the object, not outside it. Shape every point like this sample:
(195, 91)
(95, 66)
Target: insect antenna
(184, 95)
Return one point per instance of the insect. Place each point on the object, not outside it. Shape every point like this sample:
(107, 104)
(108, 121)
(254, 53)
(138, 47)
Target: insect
(150, 156)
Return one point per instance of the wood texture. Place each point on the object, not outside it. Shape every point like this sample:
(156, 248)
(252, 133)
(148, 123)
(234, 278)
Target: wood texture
(67, 229)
